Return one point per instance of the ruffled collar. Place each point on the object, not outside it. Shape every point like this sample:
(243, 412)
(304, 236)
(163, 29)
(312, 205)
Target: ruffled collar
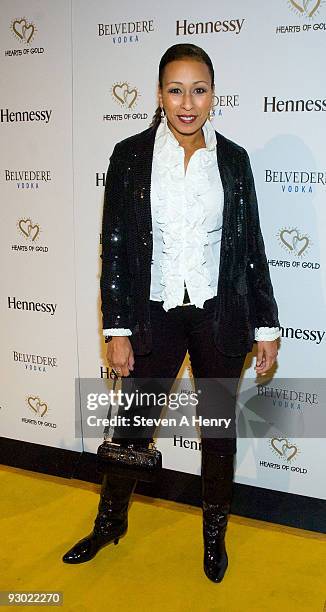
(165, 136)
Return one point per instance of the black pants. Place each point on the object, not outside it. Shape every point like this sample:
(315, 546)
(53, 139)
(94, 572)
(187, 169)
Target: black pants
(182, 329)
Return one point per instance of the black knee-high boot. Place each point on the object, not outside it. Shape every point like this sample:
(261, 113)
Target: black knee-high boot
(217, 477)
(111, 521)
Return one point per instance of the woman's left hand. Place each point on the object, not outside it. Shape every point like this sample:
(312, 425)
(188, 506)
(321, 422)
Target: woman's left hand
(266, 355)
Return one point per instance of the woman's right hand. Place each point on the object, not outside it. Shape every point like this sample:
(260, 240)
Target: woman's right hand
(120, 355)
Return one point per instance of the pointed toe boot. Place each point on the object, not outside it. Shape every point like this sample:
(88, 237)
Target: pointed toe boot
(111, 522)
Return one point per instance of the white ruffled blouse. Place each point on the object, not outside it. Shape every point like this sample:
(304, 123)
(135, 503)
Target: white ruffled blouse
(187, 210)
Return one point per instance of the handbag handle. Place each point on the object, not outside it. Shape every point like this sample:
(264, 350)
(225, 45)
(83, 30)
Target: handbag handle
(106, 431)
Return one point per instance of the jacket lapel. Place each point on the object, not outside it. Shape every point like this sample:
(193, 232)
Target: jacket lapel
(227, 180)
(143, 157)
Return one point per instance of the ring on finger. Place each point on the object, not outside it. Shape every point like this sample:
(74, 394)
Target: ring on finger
(115, 373)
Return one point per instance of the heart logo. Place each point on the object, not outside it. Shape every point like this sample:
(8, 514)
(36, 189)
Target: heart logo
(306, 6)
(29, 230)
(283, 448)
(24, 31)
(28, 32)
(293, 241)
(37, 406)
(124, 95)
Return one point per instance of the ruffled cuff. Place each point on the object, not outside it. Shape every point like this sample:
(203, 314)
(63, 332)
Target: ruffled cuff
(117, 331)
(267, 333)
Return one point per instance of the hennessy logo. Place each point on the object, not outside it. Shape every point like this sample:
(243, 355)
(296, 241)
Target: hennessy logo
(293, 242)
(23, 30)
(306, 7)
(35, 404)
(28, 229)
(31, 305)
(124, 94)
(283, 448)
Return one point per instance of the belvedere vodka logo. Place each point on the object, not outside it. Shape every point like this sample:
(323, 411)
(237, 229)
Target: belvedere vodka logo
(125, 32)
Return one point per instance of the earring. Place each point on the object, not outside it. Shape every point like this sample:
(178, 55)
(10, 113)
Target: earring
(212, 111)
(163, 116)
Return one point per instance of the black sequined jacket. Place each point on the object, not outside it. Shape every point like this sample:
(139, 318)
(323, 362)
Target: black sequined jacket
(245, 297)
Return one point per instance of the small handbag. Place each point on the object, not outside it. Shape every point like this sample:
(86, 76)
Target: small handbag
(128, 459)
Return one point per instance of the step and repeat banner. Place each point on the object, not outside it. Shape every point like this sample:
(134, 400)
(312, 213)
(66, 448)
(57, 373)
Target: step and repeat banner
(79, 76)
(38, 305)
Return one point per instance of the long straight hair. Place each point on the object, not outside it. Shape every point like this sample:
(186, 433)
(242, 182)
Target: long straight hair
(179, 52)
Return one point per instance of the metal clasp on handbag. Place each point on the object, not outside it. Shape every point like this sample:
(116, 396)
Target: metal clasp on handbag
(109, 439)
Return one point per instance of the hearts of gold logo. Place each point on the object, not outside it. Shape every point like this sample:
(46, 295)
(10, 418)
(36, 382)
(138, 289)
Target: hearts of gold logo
(22, 30)
(38, 406)
(283, 448)
(28, 229)
(124, 95)
(306, 6)
(293, 241)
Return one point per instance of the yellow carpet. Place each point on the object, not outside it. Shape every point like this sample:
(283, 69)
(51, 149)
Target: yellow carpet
(158, 564)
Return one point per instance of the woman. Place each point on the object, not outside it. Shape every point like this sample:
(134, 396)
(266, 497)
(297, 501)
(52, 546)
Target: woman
(183, 268)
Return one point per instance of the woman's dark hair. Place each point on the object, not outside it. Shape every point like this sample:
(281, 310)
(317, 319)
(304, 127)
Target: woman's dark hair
(179, 52)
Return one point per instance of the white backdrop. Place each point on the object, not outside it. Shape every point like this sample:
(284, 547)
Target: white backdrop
(38, 347)
(94, 66)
